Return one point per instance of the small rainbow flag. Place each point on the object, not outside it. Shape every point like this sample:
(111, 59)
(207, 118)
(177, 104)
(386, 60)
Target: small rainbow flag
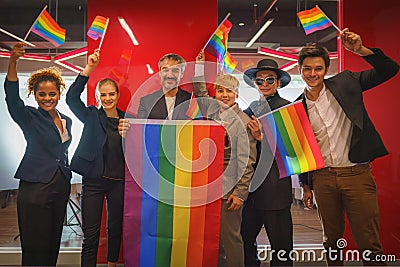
(48, 29)
(313, 20)
(290, 135)
(218, 46)
(97, 28)
(194, 111)
(173, 187)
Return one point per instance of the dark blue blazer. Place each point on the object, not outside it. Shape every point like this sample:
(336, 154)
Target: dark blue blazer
(153, 106)
(44, 152)
(347, 88)
(88, 157)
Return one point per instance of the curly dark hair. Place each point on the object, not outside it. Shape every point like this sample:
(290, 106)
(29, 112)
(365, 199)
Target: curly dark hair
(52, 74)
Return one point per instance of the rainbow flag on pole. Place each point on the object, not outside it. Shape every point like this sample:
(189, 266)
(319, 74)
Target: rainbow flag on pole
(48, 29)
(173, 187)
(97, 28)
(218, 46)
(290, 135)
(314, 20)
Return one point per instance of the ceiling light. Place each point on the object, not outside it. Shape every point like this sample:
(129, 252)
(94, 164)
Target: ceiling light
(149, 69)
(71, 54)
(128, 30)
(260, 31)
(276, 53)
(241, 24)
(33, 57)
(288, 66)
(67, 65)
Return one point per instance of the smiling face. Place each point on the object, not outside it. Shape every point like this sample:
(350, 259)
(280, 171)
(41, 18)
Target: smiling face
(47, 95)
(313, 71)
(267, 82)
(226, 96)
(108, 96)
(170, 74)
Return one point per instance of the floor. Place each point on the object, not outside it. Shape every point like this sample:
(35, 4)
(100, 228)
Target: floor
(306, 226)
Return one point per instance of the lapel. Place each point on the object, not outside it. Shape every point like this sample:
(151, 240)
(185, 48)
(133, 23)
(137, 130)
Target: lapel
(160, 107)
(50, 121)
(351, 105)
(178, 100)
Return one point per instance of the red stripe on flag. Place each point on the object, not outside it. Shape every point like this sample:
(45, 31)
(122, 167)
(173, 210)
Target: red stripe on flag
(310, 135)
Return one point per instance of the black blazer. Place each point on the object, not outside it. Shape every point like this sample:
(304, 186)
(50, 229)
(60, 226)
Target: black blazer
(153, 106)
(273, 193)
(44, 152)
(347, 88)
(88, 157)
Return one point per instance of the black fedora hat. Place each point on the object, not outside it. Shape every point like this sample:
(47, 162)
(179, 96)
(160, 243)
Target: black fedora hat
(266, 64)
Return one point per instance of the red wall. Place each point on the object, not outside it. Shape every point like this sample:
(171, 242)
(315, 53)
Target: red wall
(378, 24)
(161, 27)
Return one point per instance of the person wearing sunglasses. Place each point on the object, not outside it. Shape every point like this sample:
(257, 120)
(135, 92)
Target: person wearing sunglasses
(270, 197)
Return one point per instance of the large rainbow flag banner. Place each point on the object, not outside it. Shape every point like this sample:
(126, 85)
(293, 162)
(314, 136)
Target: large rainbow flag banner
(290, 135)
(173, 187)
(97, 28)
(48, 29)
(313, 20)
(218, 46)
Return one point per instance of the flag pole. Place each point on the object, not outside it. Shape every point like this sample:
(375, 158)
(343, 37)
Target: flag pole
(104, 34)
(216, 30)
(333, 24)
(16, 37)
(33, 24)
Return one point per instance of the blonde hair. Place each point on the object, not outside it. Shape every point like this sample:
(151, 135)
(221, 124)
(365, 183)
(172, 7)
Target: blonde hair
(52, 74)
(227, 81)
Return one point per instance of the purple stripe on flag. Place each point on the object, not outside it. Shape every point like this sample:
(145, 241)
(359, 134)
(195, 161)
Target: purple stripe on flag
(132, 209)
(271, 137)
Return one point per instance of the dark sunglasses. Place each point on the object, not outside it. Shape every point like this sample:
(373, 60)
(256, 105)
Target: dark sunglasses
(268, 80)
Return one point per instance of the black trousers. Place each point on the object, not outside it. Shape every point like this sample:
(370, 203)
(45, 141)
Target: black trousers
(41, 211)
(93, 192)
(279, 227)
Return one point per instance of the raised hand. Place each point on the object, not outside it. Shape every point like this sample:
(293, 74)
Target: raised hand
(92, 62)
(18, 51)
(200, 57)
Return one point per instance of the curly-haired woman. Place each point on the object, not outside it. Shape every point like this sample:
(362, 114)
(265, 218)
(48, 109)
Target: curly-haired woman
(44, 171)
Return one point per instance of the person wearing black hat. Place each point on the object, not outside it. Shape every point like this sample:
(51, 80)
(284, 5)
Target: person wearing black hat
(270, 197)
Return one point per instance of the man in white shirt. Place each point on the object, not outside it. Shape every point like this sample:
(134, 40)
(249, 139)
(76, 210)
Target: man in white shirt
(348, 142)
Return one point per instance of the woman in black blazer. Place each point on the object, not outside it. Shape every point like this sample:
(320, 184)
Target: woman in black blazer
(100, 160)
(44, 172)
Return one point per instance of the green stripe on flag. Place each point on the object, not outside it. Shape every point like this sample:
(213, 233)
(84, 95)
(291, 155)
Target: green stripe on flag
(286, 140)
(165, 194)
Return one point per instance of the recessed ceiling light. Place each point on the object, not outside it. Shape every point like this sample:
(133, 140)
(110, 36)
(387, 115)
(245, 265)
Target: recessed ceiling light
(241, 24)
